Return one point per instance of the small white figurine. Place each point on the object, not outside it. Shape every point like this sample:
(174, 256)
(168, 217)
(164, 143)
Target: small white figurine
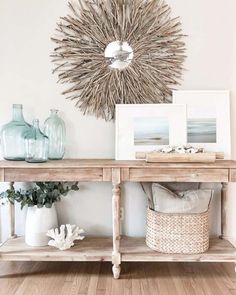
(192, 151)
(64, 239)
(180, 149)
(167, 150)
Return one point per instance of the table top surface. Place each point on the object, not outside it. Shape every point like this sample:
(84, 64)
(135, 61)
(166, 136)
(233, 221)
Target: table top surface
(110, 163)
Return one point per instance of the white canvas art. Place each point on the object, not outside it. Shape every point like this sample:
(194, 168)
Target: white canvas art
(148, 127)
(208, 119)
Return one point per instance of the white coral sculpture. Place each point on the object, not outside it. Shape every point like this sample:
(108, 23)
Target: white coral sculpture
(64, 239)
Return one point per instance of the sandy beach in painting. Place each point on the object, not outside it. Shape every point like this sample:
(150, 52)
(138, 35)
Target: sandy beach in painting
(151, 131)
(201, 130)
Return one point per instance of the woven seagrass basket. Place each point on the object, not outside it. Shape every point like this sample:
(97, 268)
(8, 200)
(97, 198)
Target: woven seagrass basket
(177, 233)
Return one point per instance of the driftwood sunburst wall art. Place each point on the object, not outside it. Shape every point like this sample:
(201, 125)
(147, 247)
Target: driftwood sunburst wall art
(118, 51)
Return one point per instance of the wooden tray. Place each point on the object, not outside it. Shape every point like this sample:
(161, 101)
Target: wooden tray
(157, 157)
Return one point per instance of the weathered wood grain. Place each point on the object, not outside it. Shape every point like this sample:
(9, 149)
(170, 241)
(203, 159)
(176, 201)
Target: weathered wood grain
(105, 249)
(54, 174)
(90, 249)
(232, 175)
(107, 175)
(125, 174)
(135, 249)
(178, 175)
(110, 163)
(181, 158)
(100, 249)
(116, 199)
(223, 209)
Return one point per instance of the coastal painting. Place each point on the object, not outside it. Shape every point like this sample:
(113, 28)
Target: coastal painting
(201, 130)
(151, 131)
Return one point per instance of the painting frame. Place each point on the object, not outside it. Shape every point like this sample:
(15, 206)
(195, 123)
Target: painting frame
(151, 115)
(211, 109)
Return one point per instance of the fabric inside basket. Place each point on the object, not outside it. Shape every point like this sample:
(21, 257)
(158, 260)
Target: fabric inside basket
(172, 186)
(164, 200)
(190, 201)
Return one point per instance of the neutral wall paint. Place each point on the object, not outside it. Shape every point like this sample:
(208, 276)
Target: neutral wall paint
(25, 30)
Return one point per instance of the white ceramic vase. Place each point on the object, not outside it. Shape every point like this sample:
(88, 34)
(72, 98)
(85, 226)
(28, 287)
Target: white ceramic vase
(38, 222)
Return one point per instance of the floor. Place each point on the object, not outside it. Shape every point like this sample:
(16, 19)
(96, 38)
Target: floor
(66, 278)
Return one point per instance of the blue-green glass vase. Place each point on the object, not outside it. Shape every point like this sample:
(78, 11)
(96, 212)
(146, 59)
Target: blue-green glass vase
(36, 145)
(12, 135)
(54, 128)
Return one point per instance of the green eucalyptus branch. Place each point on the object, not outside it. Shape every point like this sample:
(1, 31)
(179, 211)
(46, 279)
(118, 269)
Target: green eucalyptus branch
(43, 194)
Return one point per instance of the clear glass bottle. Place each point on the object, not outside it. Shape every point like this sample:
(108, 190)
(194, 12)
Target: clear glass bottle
(12, 135)
(36, 145)
(54, 128)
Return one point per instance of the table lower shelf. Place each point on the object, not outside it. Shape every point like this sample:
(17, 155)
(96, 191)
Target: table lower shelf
(100, 249)
(135, 249)
(89, 249)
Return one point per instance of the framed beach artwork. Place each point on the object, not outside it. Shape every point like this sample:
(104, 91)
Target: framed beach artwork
(148, 127)
(208, 119)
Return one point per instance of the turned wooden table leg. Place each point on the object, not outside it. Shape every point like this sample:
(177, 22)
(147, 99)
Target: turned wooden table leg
(224, 191)
(11, 213)
(116, 195)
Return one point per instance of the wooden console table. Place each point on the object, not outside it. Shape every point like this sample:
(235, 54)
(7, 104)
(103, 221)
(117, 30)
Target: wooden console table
(117, 248)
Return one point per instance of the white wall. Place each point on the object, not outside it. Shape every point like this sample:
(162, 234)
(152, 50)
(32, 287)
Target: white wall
(25, 70)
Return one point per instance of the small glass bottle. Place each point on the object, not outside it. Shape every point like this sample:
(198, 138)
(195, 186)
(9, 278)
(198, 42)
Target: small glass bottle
(12, 135)
(54, 128)
(36, 145)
